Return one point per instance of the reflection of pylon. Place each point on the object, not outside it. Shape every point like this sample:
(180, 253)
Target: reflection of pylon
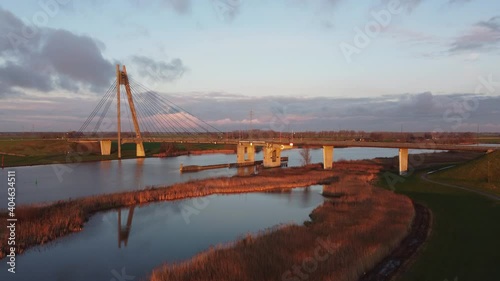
(124, 232)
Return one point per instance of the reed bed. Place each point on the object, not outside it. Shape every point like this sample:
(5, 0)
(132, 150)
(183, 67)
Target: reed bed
(352, 233)
(41, 224)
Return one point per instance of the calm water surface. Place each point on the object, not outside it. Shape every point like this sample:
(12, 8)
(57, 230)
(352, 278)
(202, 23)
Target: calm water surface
(140, 238)
(36, 184)
(159, 232)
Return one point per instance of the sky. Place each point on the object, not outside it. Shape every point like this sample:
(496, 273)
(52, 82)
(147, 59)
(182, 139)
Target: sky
(372, 65)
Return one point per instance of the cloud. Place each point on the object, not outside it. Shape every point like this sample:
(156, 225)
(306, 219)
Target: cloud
(471, 57)
(408, 5)
(332, 3)
(180, 6)
(415, 112)
(412, 5)
(46, 59)
(76, 57)
(482, 36)
(14, 75)
(458, 1)
(8, 24)
(159, 70)
(227, 10)
(327, 24)
(412, 37)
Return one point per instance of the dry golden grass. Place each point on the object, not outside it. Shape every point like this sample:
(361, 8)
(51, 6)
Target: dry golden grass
(359, 229)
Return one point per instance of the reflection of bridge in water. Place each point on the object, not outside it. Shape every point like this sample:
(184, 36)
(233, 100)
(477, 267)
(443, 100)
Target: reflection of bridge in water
(301, 197)
(124, 231)
(164, 121)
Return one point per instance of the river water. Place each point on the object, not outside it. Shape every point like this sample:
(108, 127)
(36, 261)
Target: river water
(159, 232)
(133, 241)
(37, 184)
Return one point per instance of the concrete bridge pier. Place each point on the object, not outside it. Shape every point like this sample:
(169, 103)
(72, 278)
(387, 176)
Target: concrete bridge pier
(105, 147)
(403, 161)
(245, 153)
(139, 149)
(327, 157)
(272, 155)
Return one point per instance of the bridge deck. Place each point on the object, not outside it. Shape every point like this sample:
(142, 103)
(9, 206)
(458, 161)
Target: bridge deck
(317, 143)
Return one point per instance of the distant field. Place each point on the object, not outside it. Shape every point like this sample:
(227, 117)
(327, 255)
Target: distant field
(488, 140)
(24, 152)
(37, 152)
(34, 147)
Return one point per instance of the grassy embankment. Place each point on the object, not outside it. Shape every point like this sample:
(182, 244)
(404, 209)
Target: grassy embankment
(39, 151)
(41, 224)
(493, 140)
(346, 237)
(482, 174)
(464, 243)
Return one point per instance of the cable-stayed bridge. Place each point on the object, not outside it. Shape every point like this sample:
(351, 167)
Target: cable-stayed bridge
(151, 117)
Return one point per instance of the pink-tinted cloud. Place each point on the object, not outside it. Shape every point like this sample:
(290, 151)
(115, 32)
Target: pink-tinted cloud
(483, 36)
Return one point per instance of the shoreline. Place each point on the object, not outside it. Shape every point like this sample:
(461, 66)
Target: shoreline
(69, 216)
(353, 242)
(407, 251)
(195, 153)
(270, 180)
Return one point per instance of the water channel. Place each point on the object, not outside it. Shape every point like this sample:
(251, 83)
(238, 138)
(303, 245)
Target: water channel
(135, 240)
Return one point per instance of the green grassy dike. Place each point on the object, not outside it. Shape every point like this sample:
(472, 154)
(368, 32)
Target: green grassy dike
(17, 153)
(481, 174)
(465, 239)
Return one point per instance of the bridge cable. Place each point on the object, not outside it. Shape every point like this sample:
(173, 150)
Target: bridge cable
(103, 101)
(156, 99)
(154, 111)
(173, 118)
(149, 112)
(185, 123)
(165, 100)
(98, 107)
(144, 113)
(167, 123)
(103, 113)
(178, 115)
